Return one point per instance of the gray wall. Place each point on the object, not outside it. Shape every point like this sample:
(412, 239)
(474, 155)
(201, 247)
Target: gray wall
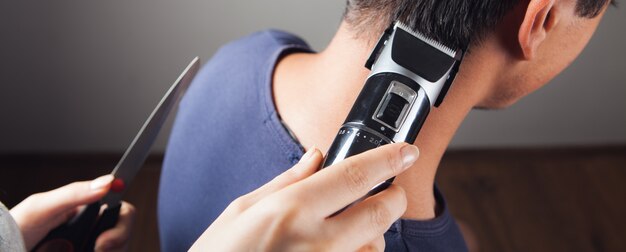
(83, 75)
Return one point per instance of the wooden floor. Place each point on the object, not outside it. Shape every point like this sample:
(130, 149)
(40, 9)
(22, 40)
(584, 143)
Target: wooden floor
(540, 200)
(570, 199)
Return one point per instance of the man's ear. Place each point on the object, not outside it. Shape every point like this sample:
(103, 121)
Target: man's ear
(540, 18)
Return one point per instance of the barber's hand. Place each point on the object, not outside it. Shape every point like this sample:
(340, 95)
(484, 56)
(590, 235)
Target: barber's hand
(291, 212)
(38, 214)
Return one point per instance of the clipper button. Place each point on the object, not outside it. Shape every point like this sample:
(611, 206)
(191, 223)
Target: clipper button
(392, 110)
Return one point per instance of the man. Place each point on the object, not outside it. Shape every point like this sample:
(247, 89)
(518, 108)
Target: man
(261, 99)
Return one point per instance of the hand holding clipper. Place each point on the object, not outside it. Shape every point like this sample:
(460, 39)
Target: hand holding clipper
(409, 74)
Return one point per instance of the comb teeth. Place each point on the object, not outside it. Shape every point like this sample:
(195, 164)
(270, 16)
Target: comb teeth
(447, 50)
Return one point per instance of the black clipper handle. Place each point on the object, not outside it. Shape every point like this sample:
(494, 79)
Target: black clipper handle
(390, 108)
(353, 140)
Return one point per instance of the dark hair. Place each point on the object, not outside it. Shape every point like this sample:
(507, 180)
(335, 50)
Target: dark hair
(455, 23)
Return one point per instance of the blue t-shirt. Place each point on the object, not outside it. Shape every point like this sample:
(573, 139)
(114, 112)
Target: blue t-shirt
(229, 140)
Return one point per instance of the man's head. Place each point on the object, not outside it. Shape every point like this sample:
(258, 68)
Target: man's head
(534, 39)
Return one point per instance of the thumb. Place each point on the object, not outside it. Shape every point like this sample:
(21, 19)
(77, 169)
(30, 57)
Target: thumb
(67, 198)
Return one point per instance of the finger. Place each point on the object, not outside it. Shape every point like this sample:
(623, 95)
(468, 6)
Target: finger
(368, 219)
(71, 196)
(58, 205)
(377, 245)
(117, 237)
(335, 187)
(308, 164)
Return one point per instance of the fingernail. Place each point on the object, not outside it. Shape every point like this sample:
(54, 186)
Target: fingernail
(101, 182)
(307, 155)
(410, 153)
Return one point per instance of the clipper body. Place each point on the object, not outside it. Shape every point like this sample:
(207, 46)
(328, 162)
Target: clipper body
(410, 74)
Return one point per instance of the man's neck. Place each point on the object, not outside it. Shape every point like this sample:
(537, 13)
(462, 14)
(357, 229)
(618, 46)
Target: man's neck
(333, 78)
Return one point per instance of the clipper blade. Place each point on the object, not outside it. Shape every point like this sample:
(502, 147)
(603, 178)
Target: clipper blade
(439, 46)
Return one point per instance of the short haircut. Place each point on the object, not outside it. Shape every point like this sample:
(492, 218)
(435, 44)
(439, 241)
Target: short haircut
(455, 23)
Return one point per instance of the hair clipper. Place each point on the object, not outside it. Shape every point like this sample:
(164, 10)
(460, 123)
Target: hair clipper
(409, 74)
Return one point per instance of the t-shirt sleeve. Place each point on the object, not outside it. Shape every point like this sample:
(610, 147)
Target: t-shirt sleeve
(10, 235)
(439, 234)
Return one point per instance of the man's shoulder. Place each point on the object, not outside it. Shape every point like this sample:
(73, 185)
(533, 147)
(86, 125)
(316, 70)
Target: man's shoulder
(241, 68)
(252, 55)
(263, 43)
